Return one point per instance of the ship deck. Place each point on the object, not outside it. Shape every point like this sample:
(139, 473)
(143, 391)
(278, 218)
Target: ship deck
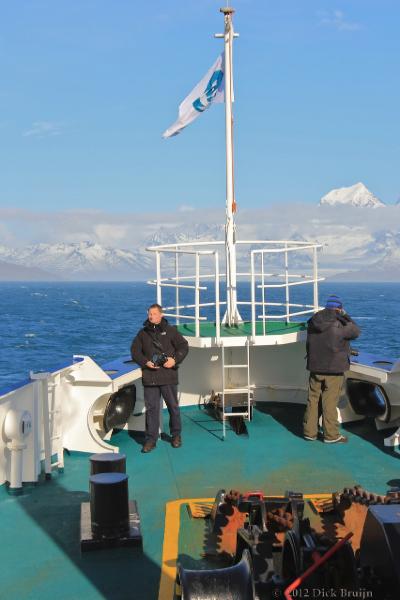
(40, 539)
(243, 329)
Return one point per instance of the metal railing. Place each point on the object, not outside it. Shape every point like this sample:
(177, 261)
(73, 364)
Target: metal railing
(175, 282)
(286, 284)
(261, 281)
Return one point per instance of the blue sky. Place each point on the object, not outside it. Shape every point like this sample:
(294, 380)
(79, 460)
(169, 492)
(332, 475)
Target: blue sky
(87, 88)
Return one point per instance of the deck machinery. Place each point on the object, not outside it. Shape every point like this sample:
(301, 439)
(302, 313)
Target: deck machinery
(343, 545)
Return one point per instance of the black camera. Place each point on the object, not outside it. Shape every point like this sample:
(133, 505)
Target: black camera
(159, 360)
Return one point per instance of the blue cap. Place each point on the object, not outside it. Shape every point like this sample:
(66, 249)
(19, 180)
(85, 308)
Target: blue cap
(334, 302)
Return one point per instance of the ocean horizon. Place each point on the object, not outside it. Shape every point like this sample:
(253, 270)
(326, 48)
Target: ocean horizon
(45, 323)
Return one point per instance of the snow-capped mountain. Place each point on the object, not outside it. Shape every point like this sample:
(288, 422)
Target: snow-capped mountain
(356, 195)
(378, 260)
(92, 261)
(384, 250)
(82, 261)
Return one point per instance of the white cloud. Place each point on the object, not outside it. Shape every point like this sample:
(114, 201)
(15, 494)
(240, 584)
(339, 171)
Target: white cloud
(186, 208)
(41, 129)
(110, 235)
(6, 237)
(337, 20)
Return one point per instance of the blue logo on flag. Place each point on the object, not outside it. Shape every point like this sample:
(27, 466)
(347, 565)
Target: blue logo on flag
(200, 104)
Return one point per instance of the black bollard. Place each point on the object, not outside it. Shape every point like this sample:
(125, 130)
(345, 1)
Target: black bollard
(109, 505)
(107, 462)
(110, 519)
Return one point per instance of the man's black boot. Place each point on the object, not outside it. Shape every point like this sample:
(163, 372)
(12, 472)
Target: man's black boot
(176, 441)
(148, 447)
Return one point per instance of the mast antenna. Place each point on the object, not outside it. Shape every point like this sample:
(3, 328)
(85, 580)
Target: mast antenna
(232, 316)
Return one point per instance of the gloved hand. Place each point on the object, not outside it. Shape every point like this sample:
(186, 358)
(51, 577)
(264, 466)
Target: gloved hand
(343, 317)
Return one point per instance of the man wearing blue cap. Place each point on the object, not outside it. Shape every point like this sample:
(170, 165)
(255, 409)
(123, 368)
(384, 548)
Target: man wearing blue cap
(329, 332)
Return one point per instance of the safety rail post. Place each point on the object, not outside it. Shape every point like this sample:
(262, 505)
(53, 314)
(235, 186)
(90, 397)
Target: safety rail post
(315, 277)
(253, 296)
(158, 273)
(223, 391)
(248, 380)
(217, 307)
(263, 290)
(46, 425)
(197, 296)
(41, 381)
(177, 287)
(286, 285)
(36, 428)
(56, 411)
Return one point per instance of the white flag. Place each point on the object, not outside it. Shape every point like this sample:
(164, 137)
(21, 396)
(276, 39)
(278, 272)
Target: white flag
(209, 91)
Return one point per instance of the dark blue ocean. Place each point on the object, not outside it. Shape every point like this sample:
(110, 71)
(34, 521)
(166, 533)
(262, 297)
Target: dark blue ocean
(44, 324)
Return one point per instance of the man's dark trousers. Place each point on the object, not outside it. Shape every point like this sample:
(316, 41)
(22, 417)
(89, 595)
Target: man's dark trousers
(152, 399)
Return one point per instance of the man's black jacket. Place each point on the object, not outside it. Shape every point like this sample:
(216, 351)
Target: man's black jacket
(328, 348)
(155, 339)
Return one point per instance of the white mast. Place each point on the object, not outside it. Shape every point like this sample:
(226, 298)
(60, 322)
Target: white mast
(232, 315)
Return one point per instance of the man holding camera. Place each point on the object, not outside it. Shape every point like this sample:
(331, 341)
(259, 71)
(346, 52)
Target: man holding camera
(328, 334)
(158, 349)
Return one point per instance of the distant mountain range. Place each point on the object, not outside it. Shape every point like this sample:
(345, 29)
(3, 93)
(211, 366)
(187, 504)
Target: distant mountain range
(379, 260)
(351, 251)
(364, 258)
(83, 261)
(89, 261)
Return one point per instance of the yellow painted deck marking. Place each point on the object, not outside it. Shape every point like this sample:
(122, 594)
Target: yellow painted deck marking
(171, 546)
(199, 510)
(171, 540)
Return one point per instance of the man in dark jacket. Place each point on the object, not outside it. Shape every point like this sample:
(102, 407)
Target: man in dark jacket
(328, 334)
(159, 348)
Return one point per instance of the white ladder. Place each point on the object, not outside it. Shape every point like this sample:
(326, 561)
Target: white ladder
(226, 391)
(51, 420)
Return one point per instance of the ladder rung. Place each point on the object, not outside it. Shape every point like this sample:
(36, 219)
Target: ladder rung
(228, 391)
(236, 414)
(53, 412)
(55, 437)
(56, 464)
(235, 366)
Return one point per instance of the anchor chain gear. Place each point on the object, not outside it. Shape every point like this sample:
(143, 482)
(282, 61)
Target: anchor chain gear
(359, 495)
(278, 519)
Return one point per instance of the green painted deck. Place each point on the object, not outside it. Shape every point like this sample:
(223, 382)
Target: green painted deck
(40, 551)
(240, 330)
